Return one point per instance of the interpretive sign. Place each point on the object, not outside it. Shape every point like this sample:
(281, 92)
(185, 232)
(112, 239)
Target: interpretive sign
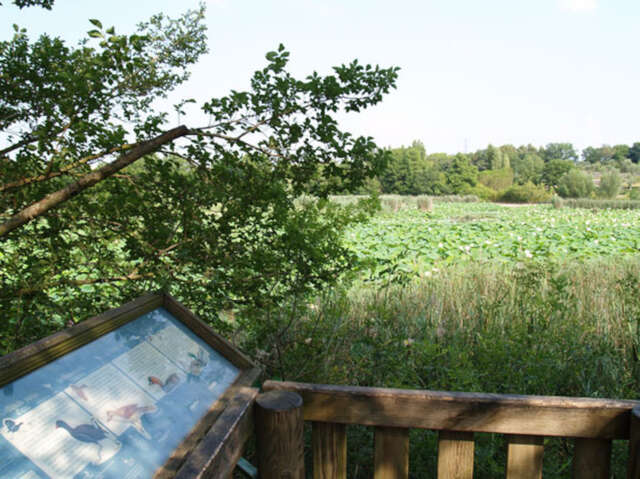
(125, 395)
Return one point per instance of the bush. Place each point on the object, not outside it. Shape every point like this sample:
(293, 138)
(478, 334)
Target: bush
(527, 193)
(557, 202)
(481, 191)
(575, 184)
(610, 184)
(496, 179)
(424, 203)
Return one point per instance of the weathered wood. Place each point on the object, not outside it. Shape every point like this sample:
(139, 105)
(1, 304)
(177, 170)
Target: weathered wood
(455, 455)
(524, 457)
(633, 471)
(279, 435)
(202, 427)
(329, 445)
(220, 344)
(25, 360)
(219, 451)
(391, 459)
(506, 414)
(592, 459)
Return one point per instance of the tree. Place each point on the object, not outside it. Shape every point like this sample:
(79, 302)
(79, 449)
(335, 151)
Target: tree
(528, 168)
(554, 169)
(634, 153)
(610, 184)
(620, 152)
(101, 200)
(575, 184)
(461, 174)
(559, 151)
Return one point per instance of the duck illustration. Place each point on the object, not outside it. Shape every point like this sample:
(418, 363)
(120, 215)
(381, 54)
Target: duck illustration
(79, 391)
(131, 413)
(198, 362)
(89, 433)
(11, 425)
(168, 383)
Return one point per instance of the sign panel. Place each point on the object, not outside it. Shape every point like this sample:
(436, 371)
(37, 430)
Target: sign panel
(116, 407)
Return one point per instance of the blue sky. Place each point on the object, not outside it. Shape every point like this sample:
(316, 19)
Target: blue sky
(472, 72)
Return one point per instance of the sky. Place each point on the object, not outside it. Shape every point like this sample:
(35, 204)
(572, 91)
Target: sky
(472, 72)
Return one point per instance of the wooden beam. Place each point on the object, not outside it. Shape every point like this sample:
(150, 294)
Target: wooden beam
(633, 471)
(391, 460)
(219, 451)
(279, 435)
(471, 412)
(455, 455)
(592, 459)
(329, 445)
(524, 457)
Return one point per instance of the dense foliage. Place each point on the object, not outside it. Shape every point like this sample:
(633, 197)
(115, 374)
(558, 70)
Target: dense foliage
(445, 296)
(411, 243)
(506, 173)
(101, 200)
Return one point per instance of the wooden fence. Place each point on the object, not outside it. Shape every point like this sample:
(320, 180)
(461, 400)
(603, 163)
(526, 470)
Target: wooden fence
(524, 420)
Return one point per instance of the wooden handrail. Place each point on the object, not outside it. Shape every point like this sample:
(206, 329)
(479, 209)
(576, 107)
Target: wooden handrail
(464, 412)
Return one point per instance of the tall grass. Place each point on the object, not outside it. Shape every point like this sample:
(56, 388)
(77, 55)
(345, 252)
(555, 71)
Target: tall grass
(601, 204)
(532, 329)
(398, 202)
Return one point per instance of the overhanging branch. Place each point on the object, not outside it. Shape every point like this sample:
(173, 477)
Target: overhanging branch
(54, 199)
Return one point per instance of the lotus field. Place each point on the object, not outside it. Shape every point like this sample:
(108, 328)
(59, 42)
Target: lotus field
(417, 243)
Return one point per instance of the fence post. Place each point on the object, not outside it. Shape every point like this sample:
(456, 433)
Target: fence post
(279, 435)
(633, 471)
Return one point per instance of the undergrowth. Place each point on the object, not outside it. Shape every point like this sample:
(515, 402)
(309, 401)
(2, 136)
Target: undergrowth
(530, 329)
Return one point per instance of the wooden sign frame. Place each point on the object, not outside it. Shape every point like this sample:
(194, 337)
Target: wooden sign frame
(228, 419)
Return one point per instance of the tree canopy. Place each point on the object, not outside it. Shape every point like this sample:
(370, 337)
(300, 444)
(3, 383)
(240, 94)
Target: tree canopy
(100, 198)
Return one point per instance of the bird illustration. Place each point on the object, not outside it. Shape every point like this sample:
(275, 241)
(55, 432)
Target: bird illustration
(166, 385)
(89, 433)
(132, 413)
(198, 362)
(79, 391)
(11, 425)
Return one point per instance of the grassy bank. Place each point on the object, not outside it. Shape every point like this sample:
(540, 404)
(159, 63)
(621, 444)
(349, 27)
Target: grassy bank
(526, 329)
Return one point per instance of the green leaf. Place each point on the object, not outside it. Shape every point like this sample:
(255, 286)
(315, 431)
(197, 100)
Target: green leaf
(95, 22)
(111, 31)
(95, 34)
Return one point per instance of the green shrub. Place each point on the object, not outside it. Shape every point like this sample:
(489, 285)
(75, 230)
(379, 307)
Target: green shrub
(575, 184)
(610, 184)
(481, 191)
(496, 179)
(557, 202)
(527, 193)
(424, 203)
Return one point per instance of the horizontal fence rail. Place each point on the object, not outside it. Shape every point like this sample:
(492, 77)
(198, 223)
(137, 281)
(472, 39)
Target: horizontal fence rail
(524, 420)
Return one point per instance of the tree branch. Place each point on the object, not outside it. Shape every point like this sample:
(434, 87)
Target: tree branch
(55, 199)
(64, 170)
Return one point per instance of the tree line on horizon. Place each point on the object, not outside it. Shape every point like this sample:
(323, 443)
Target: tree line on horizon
(510, 173)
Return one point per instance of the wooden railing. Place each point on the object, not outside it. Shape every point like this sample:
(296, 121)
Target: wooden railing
(524, 420)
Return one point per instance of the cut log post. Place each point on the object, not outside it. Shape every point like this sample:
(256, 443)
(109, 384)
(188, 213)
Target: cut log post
(592, 459)
(634, 444)
(329, 443)
(279, 435)
(455, 455)
(391, 453)
(524, 457)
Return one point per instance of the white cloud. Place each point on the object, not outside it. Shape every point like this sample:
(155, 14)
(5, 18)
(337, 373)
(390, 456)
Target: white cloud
(578, 5)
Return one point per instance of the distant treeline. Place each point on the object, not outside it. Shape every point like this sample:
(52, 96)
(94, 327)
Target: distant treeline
(509, 173)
